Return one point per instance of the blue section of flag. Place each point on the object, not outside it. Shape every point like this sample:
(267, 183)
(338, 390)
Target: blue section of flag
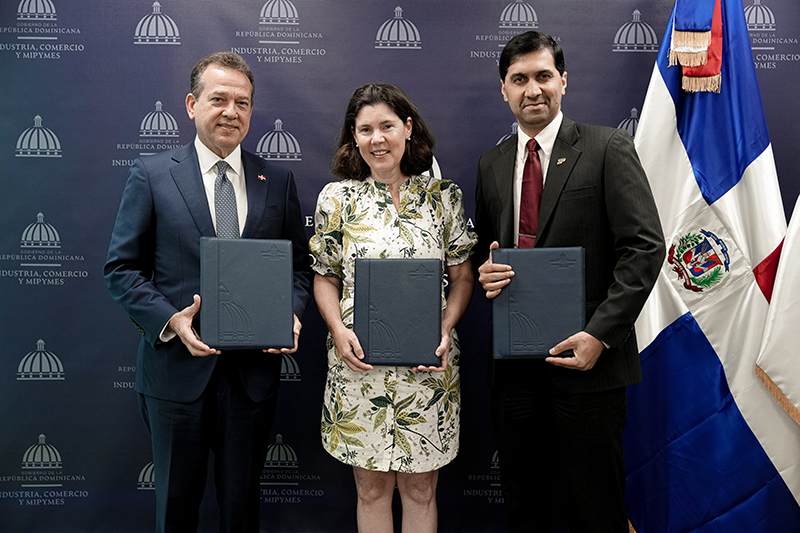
(724, 132)
(693, 462)
(693, 15)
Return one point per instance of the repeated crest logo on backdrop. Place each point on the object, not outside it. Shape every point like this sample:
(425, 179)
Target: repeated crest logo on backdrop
(398, 33)
(278, 35)
(485, 484)
(514, 130)
(156, 28)
(44, 480)
(514, 18)
(636, 36)
(283, 481)
(519, 15)
(37, 33)
(631, 123)
(759, 17)
(36, 10)
(41, 261)
(158, 132)
(147, 477)
(40, 365)
(279, 145)
(38, 141)
(771, 43)
(161, 128)
(290, 370)
(279, 12)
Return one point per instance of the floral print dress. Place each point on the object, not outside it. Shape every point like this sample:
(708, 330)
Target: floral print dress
(389, 418)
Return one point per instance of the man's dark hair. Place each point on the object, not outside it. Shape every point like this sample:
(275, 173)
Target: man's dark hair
(525, 43)
(221, 59)
(418, 156)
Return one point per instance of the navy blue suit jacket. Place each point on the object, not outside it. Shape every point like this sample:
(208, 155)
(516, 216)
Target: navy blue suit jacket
(153, 264)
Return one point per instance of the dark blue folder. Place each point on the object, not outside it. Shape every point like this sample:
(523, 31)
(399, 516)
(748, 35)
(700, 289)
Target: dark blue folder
(398, 310)
(544, 304)
(246, 293)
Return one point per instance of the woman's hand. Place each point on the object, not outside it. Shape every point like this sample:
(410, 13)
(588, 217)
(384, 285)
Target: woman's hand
(327, 291)
(349, 349)
(441, 352)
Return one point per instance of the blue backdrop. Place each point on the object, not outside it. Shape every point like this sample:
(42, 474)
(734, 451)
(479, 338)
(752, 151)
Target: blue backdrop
(89, 86)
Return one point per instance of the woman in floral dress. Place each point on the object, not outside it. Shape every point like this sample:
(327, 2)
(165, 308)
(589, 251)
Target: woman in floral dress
(395, 425)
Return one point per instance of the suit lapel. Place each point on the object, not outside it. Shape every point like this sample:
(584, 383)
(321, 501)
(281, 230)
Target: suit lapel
(503, 169)
(562, 161)
(257, 190)
(189, 180)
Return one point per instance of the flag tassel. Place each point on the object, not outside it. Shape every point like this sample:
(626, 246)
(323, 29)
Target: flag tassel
(688, 59)
(787, 405)
(701, 84)
(693, 39)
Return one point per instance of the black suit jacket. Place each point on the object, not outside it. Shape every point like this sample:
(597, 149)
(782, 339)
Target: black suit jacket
(596, 195)
(153, 264)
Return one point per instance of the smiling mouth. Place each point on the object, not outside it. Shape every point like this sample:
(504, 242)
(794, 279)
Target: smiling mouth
(380, 152)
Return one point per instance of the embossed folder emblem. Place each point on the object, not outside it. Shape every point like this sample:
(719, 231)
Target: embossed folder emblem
(398, 310)
(544, 303)
(246, 293)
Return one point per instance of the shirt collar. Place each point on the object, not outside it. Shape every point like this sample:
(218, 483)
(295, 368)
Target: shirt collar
(545, 138)
(208, 159)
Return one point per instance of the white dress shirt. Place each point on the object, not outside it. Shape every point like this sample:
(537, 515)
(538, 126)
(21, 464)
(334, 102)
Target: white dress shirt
(208, 168)
(546, 140)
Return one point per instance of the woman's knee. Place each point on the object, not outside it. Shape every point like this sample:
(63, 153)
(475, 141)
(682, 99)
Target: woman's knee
(374, 486)
(420, 487)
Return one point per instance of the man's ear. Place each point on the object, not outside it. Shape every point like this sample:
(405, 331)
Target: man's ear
(190, 103)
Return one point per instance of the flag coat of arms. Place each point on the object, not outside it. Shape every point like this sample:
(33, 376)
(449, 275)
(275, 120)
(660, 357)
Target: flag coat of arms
(707, 447)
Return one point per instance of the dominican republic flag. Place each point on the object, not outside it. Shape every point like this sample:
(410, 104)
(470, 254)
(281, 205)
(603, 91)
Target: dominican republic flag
(708, 449)
(778, 364)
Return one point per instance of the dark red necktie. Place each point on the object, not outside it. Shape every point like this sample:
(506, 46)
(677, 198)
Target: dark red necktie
(531, 197)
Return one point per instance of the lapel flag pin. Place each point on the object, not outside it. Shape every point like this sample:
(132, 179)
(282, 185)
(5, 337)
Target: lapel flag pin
(262, 177)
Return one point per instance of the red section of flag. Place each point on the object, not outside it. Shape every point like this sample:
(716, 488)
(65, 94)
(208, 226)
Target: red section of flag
(765, 272)
(714, 63)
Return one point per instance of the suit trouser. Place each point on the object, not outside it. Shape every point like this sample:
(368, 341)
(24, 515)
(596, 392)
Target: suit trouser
(223, 420)
(578, 437)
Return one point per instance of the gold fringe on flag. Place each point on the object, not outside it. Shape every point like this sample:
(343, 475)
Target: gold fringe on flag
(630, 527)
(695, 39)
(688, 59)
(709, 84)
(783, 401)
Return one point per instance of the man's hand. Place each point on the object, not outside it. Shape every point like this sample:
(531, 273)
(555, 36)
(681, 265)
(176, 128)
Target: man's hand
(494, 276)
(587, 350)
(296, 330)
(181, 324)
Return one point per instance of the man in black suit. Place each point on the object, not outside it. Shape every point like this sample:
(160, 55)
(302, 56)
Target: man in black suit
(564, 416)
(195, 398)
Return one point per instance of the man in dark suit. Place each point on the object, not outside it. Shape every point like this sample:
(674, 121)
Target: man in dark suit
(564, 416)
(195, 398)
